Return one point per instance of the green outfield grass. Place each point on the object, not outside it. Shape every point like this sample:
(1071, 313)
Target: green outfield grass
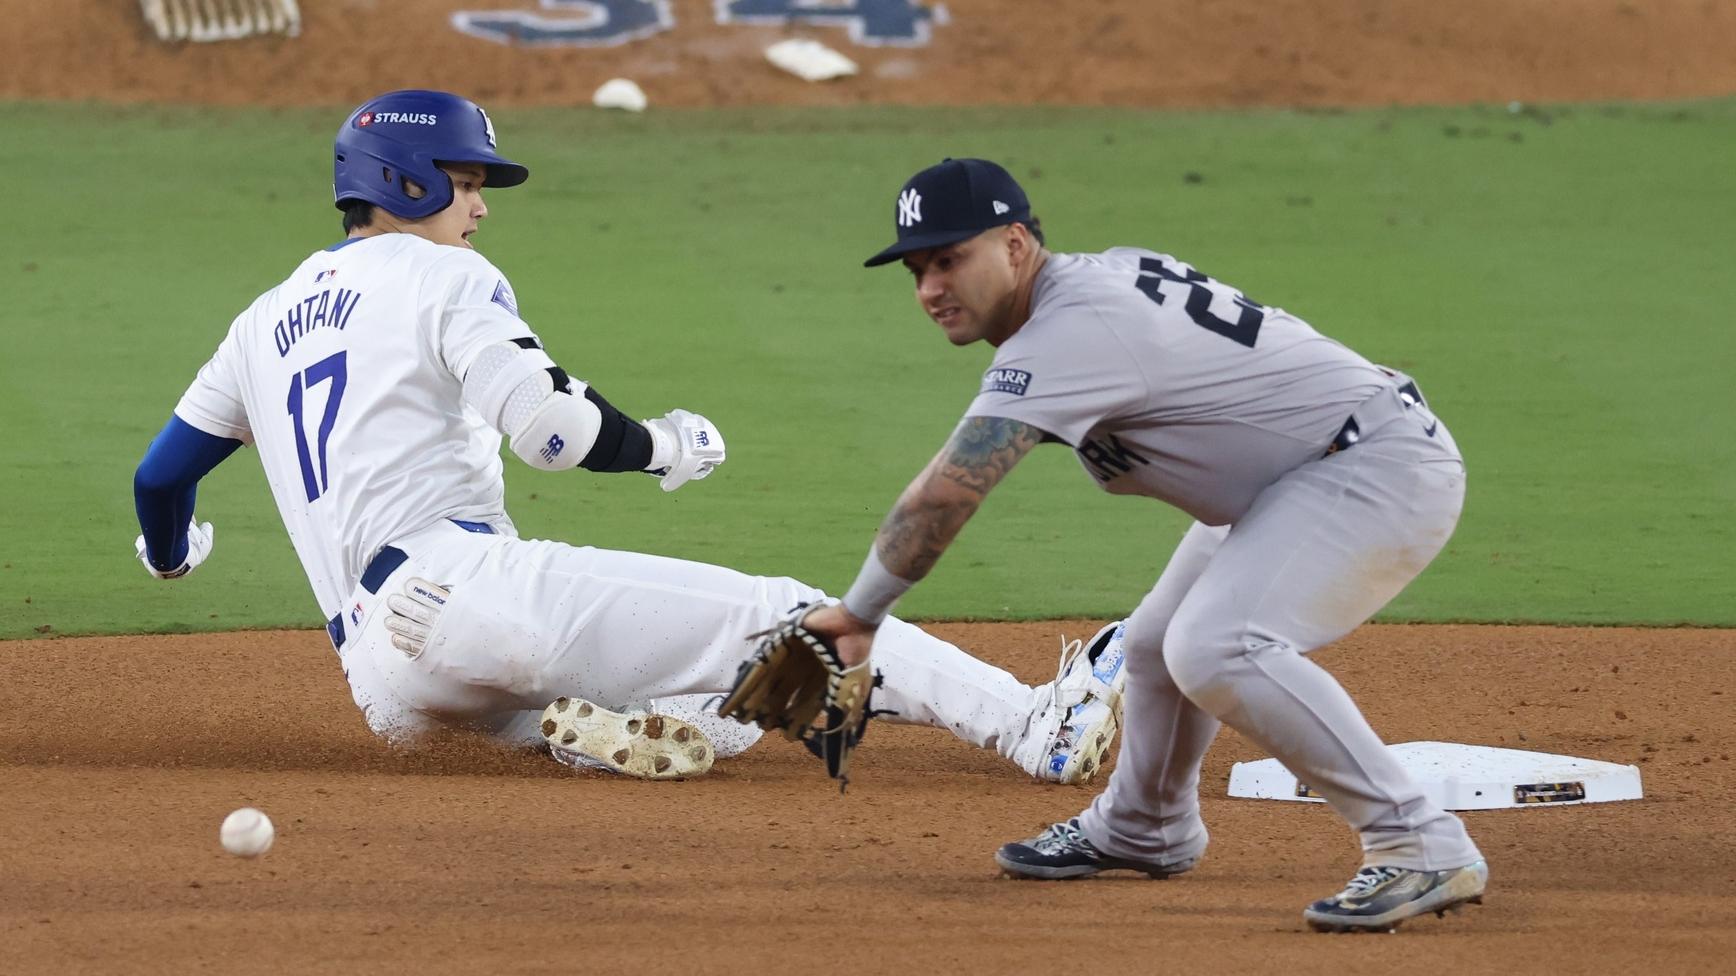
(1555, 279)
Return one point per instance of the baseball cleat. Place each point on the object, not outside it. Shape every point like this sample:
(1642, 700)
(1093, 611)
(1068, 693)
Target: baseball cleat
(1068, 735)
(1378, 899)
(587, 736)
(1062, 852)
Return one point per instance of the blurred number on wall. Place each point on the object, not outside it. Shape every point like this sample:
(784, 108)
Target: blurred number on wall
(576, 23)
(606, 23)
(875, 22)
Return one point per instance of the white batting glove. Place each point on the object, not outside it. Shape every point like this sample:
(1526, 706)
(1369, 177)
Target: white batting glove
(414, 614)
(199, 541)
(684, 447)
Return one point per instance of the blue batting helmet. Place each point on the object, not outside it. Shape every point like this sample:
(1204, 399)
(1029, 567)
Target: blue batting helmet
(405, 135)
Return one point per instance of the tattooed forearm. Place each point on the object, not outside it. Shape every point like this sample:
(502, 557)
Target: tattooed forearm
(982, 450)
(936, 506)
(913, 537)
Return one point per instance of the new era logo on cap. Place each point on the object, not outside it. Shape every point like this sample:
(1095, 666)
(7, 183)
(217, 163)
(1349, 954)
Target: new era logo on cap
(909, 208)
(1001, 208)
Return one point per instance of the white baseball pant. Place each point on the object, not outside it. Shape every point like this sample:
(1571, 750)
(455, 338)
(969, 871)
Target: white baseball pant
(529, 621)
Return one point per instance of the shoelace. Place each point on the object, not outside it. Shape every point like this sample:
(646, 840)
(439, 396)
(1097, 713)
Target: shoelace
(1366, 880)
(1063, 836)
(1070, 651)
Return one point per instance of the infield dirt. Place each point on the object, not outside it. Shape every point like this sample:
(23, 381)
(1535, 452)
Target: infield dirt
(119, 757)
(1150, 53)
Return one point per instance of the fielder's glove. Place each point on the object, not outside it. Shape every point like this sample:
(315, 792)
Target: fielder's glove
(796, 682)
(200, 538)
(684, 447)
(817, 742)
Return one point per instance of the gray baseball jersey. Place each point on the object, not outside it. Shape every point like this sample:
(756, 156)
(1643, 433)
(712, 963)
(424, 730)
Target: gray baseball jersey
(1151, 371)
(1173, 385)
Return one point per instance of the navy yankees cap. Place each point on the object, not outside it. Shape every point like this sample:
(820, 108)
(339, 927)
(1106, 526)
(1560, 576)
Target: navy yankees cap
(951, 201)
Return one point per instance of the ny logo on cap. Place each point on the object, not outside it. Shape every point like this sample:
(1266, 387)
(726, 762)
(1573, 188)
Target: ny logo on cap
(910, 208)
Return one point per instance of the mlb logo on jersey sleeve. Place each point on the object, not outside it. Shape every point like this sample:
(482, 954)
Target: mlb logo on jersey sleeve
(1014, 381)
(504, 298)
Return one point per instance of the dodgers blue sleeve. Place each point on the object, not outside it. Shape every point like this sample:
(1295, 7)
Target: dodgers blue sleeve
(166, 482)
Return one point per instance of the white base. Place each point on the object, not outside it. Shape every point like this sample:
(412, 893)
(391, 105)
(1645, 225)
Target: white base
(1462, 777)
(809, 59)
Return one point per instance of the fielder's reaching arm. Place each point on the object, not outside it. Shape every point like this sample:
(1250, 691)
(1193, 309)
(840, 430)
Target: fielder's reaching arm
(928, 516)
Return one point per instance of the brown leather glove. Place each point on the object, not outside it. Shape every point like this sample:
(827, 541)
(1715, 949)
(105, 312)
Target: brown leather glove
(795, 682)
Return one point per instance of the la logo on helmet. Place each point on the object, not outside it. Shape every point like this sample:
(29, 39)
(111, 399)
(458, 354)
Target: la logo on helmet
(487, 127)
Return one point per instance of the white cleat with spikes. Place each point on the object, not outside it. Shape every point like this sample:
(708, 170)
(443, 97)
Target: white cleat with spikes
(588, 736)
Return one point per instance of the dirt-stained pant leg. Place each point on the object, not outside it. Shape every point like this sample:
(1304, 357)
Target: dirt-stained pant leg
(926, 681)
(1320, 552)
(529, 621)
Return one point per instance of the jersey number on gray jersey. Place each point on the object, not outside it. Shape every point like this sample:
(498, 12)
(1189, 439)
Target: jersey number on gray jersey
(1202, 290)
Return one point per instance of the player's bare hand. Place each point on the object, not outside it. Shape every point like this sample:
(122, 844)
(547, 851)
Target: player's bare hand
(684, 447)
(852, 637)
(200, 538)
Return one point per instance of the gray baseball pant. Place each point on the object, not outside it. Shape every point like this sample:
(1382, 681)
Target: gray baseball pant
(1222, 638)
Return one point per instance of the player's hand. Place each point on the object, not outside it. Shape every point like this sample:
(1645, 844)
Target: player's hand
(414, 614)
(684, 447)
(853, 637)
(199, 541)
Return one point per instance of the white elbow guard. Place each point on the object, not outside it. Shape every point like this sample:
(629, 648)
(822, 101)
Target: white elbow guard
(513, 387)
(501, 379)
(559, 432)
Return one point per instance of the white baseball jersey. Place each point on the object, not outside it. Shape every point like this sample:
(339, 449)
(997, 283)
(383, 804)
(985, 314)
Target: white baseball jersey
(348, 379)
(1151, 371)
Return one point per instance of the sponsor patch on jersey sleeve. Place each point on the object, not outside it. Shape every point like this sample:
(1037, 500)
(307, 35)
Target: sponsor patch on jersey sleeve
(1014, 381)
(504, 298)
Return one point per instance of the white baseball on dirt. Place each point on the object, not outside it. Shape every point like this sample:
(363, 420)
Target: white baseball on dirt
(247, 833)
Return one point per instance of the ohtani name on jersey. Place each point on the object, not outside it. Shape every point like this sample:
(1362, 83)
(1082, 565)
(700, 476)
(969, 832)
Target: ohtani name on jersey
(330, 309)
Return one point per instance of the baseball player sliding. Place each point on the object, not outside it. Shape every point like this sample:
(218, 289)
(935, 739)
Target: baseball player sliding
(1321, 485)
(377, 381)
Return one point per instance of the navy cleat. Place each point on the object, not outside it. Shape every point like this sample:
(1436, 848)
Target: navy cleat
(1379, 898)
(1063, 852)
